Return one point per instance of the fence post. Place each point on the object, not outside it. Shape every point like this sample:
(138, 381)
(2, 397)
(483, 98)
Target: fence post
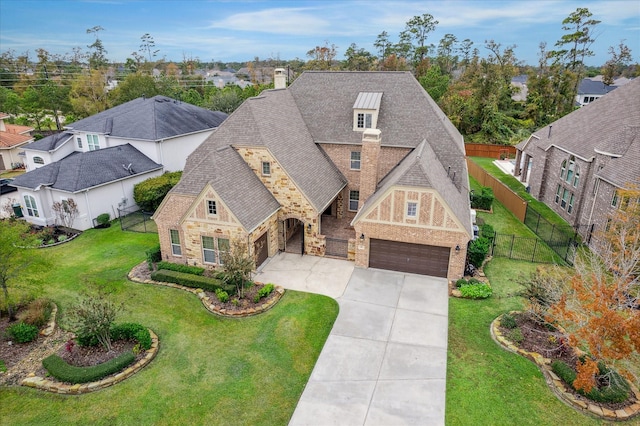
(553, 229)
(535, 246)
(538, 223)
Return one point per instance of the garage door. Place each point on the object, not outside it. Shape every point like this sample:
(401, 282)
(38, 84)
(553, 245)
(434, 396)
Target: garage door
(406, 257)
(261, 249)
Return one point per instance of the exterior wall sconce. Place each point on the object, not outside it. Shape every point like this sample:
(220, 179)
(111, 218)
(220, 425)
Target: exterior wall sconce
(361, 237)
(457, 248)
(308, 227)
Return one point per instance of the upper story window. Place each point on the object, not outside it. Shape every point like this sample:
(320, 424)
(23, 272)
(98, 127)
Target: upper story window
(79, 142)
(212, 208)
(32, 207)
(266, 168)
(354, 199)
(615, 201)
(38, 160)
(355, 160)
(570, 171)
(176, 249)
(365, 110)
(412, 209)
(93, 143)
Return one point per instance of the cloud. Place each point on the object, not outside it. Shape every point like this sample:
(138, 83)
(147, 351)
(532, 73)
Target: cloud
(290, 21)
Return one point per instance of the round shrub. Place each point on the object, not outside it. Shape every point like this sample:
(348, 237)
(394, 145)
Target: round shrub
(508, 321)
(22, 332)
(478, 250)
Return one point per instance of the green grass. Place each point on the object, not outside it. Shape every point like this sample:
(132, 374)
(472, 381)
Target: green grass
(209, 370)
(486, 384)
(516, 186)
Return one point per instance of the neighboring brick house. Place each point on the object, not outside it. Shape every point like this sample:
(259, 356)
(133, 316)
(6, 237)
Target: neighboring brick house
(97, 161)
(12, 139)
(366, 158)
(577, 163)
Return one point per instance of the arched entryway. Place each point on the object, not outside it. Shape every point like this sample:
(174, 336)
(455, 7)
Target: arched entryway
(291, 235)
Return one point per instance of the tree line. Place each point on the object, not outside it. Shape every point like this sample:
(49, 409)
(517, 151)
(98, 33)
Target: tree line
(475, 91)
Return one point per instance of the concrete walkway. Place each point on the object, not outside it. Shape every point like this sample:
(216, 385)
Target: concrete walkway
(384, 362)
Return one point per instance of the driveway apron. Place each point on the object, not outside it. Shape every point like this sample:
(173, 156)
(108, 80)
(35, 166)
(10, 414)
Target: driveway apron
(385, 360)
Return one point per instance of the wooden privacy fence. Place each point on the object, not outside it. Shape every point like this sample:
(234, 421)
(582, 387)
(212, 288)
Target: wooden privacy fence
(490, 151)
(506, 196)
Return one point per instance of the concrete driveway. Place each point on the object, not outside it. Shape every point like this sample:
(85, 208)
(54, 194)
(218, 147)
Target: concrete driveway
(385, 360)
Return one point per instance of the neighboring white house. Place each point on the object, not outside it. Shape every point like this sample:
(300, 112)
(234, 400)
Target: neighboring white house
(98, 160)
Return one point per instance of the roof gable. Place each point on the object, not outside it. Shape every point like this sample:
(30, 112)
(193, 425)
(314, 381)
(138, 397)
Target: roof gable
(50, 143)
(151, 119)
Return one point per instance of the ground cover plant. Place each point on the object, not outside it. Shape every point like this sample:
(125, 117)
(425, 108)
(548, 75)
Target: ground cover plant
(209, 370)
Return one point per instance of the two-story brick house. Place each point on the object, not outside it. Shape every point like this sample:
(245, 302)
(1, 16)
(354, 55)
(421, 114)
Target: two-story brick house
(577, 164)
(363, 157)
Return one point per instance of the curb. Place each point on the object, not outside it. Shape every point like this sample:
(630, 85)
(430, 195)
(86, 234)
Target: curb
(559, 388)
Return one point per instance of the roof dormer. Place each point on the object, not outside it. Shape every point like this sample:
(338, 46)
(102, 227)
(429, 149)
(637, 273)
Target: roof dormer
(365, 111)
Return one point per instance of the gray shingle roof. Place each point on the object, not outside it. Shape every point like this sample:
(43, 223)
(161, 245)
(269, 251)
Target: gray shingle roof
(421, 168)
(592, 87)
(151, 119)
(82, 170)
(234, 181)
(585, 129)
(49, 143)
(624, 170)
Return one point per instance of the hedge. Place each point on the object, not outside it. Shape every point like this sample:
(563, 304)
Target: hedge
(149, 193)
(618, 391)
(190, 280)
(195, 270)
(132, 331)
(484, 200)
(62, 371)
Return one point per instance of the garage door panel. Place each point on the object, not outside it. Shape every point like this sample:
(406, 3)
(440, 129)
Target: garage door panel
(406, 257)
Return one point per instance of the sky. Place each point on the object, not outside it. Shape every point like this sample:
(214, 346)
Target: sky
(239, 31)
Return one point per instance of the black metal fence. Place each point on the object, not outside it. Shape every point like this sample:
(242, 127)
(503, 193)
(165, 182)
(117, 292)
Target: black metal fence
(136, 221)
(522, 248)
(561, 239)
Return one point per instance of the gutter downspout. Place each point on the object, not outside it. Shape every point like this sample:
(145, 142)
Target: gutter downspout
(86, 199)
(595, 197)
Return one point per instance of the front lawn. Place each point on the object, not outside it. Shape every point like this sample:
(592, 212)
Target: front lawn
(209, 370)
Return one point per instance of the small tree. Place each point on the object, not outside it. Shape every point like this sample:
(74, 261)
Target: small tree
(149, 193)
(237, 266)
(93, 317)
(66, 212)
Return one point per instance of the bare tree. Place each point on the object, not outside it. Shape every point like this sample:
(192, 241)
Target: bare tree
(66, 212)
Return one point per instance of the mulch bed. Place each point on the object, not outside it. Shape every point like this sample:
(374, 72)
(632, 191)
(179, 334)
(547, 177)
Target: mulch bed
(551, 344)
(10, 351)
(244, 304)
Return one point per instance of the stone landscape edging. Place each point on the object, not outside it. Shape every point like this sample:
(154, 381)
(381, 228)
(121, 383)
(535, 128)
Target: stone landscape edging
(55, 386)
(559, 388)
(206, 301)
(51, 325)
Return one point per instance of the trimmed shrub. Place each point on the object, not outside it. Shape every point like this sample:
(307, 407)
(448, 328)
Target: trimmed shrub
(62, 371)
(478, 250)
(153, 255)
(484, 200)
(487, 231)
(266, 290)
(476, 291)
(37, 312)
(103, 218)
(190, 280)
(22, 332)
(461, 282)
(508, 321)
(222, 295)
(617, 391)
(194, 270)
(149, 193)
(132, 331)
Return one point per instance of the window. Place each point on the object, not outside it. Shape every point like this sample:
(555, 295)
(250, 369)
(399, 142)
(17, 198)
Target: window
(412, 209)
(364, 121)
(208, 250)
(175, 242)
(223, 247)
(558, 191)
(266, 168)
(576, 178)
(354, 198)
(38, 160)
(212, 209)
(615, 200)
(563, 169)
(93, 143)
(570, 208)
(32, 207)
(79, 141)
(355, 160)
(565, 197)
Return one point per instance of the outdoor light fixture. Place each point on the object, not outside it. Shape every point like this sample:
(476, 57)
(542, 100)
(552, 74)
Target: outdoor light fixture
(457, 247)
(362, 237)
(309, 227)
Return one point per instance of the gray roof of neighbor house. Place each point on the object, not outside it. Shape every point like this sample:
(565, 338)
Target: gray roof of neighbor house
(272, 120)
(421, 168)
(83, 170)
(150, 119)
(49, 143)
(230, 177)
(407, 116)
(593, 87)
(606, 126)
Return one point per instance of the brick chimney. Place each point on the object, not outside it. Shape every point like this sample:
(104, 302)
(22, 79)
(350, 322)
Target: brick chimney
(280, 78)
(369, 163)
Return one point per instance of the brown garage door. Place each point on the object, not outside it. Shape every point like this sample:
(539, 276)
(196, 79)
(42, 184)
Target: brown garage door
(406, 257)
(261, 249)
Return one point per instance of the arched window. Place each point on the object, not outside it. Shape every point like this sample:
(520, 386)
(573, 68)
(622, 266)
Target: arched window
(571, 169)
(32, 207)
(563, 169)
(576, 178)
(38, 160)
